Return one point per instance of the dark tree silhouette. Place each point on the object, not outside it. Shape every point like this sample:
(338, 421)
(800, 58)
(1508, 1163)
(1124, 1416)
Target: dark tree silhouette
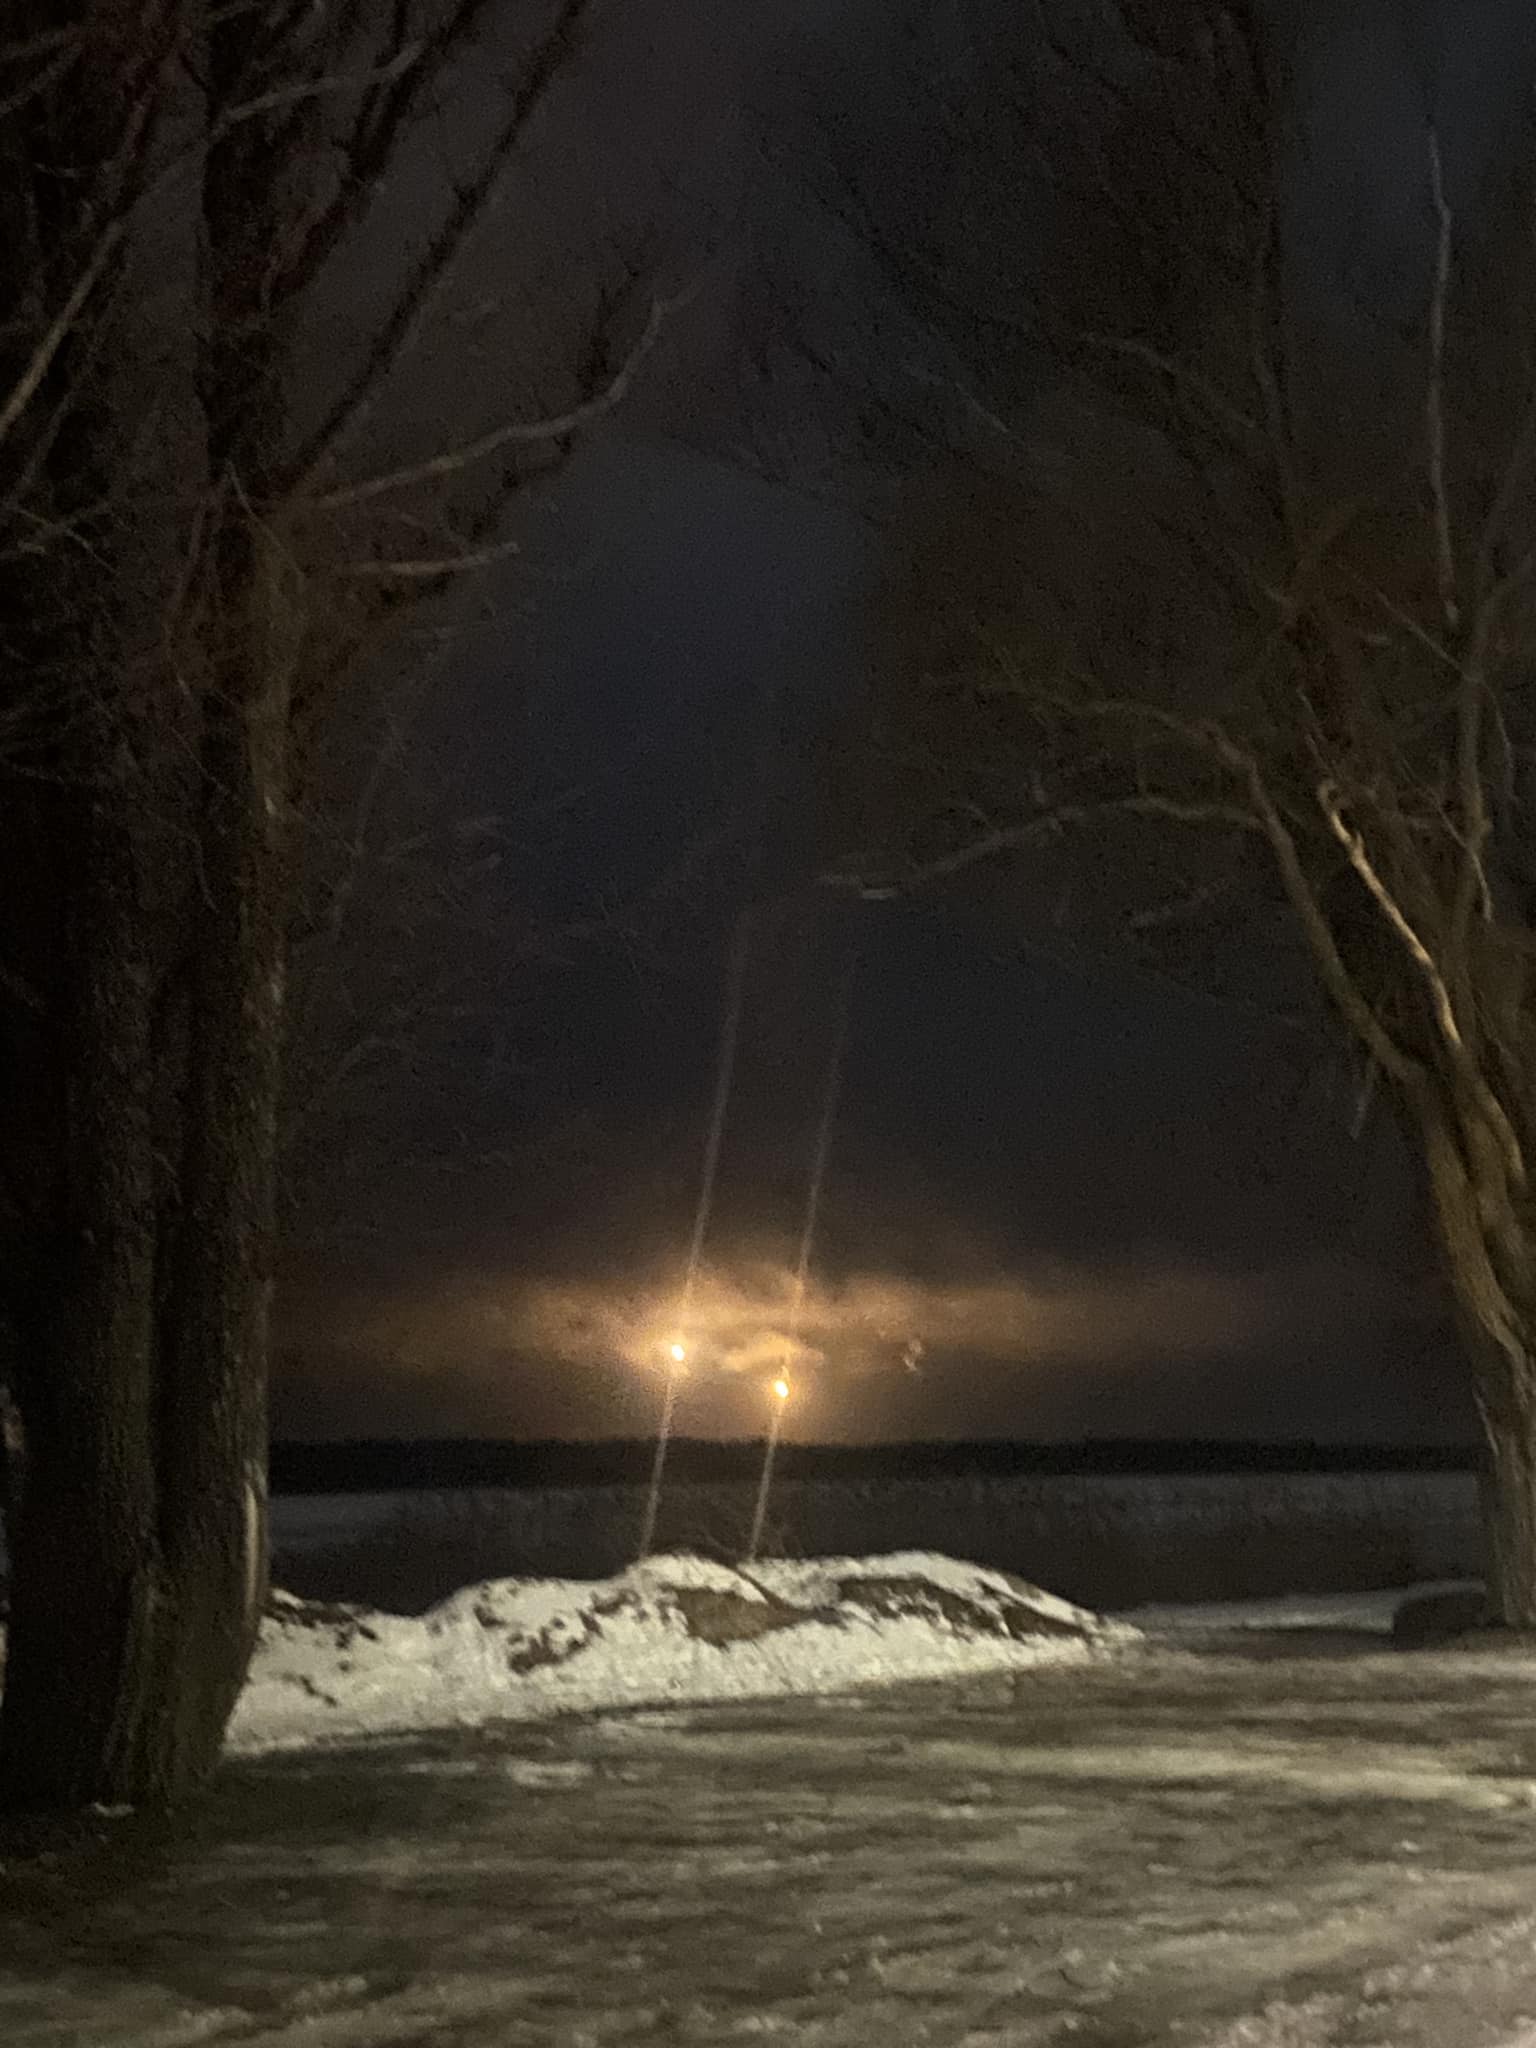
(1226, 574)
(221, 496)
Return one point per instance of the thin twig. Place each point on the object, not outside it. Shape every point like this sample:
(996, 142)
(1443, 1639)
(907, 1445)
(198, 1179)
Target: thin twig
(1063, 817)
(1434, 396)
(408, 314)
(425, 570)
(514, 433)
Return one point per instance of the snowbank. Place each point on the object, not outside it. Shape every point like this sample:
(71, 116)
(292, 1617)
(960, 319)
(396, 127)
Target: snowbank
(671, 1629)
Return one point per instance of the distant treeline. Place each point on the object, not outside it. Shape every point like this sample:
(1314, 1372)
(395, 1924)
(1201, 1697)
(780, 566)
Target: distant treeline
(438, 1464)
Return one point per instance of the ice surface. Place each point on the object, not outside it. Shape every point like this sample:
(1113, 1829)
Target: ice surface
(1256, 1840)
(1040, 1525)
(1368, 1612)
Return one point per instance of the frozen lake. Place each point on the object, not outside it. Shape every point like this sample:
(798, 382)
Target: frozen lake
(1105, 1540)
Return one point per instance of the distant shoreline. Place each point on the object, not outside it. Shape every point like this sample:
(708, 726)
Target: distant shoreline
(436, 1464)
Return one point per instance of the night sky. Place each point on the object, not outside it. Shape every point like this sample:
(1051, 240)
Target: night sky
(1065, 1198)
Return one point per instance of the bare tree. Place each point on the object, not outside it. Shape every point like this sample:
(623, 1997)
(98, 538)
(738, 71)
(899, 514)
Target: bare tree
(1235, 587)
(227, 475)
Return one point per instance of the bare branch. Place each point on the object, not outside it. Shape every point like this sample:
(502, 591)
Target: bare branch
(1268, 367)
(40, 82)
(381, 119)
(41, 45)
(1418, 631)
(1359, 859)
(1513, 488)
(1475, 825)
(1434, 394)
(1208, 738)
(1183, 376)
(1365, 1096)
(432, 570)
(44, 355)
(1440, 996)
(515, 433)
(417, 296)
(1064, 817)
(334, 82)
(1336, 977)
(1181, 909)
(115, 231)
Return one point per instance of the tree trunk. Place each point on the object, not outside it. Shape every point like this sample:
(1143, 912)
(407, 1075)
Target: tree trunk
(139, 1545)
(10, 1459)
(139, 1566)
(124, 1657)
(1487, 1230)
(141, 1290)
(1509, 1511)
(139, 1542)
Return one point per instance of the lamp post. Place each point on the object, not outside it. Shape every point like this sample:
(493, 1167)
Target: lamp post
(779, 1393)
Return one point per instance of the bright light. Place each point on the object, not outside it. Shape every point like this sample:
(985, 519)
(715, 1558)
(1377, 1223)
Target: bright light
(781, 1388)
(677, 1353)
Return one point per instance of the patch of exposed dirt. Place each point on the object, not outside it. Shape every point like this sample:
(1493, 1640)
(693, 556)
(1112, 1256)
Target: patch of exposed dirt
(718, 1616)
(894, 1598)
(553, 1646)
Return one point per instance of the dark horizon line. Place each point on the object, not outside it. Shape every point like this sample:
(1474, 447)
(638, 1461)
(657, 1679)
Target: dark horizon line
(387, 1464)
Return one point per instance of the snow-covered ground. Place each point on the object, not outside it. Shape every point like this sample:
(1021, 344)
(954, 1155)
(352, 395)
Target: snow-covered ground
(1256, 1827)
(673, 1628)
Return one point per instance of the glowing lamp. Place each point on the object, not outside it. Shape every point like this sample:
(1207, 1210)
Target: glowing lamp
(781, 1388)
(677, 1353)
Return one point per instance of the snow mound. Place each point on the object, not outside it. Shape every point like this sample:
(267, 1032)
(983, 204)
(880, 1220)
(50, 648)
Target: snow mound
(671, 1629)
